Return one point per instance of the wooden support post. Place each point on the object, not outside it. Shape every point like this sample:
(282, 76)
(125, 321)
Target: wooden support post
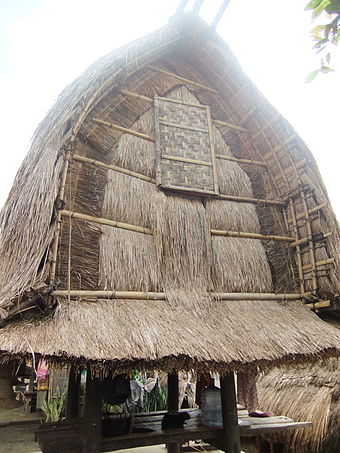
(92, 427)
(72, 405)
(231, 430)
(173, 395)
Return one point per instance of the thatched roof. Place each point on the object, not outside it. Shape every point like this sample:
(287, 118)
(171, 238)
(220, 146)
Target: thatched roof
(173, 251)
(309, 392)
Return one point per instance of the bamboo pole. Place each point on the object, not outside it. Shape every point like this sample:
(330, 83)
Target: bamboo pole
(320, 304)
(213, 152)
(252, 200)
(298, 249)
(98, 163)
(55, 244)
(184, 159)
(306, 239)
(241, 234)
(241, 161)
(182, 79)
(231, 126)
(310, 211)
(144, 295)
(137, 96)
(108, 222)
(318, 264)
(310, 242)
(123, 129)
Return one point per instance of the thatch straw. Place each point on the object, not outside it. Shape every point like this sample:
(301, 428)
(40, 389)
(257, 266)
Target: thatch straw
(306, 393)
(148, 334)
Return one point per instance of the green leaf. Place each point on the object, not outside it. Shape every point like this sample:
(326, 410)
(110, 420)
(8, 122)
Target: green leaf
(313, 4)
(320, 8)
(326, 69)
(311, 76)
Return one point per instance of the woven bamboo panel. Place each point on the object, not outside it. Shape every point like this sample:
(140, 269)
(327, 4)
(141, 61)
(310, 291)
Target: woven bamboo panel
(185, 155)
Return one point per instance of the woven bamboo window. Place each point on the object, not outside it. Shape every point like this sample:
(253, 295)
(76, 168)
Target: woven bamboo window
(185, 158)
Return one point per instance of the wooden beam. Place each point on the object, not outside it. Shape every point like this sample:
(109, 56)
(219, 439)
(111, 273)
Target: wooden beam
(318, 264)
(173, 400)
(123, 129)
(125, 171)
(73, 393)
(241, 161)
(241, 234)
(108, 222)
(183, 79)
(144, 295)
(231, 431)
(92, 422)
(252, 200)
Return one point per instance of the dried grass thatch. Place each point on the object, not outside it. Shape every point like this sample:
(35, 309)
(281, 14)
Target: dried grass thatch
(181, 257)
(309, 392)
(147, 334)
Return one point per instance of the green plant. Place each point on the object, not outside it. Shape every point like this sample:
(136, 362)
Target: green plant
(156, 400)
(54, 409)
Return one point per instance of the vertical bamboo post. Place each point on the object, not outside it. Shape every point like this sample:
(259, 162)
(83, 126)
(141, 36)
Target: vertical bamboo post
(298, 248)
(310, 241)
(231, 438)
(92, 427)
(173, 396)
(55, 244)
(73, 389)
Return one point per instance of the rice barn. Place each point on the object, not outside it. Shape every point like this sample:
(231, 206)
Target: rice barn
(167, 218)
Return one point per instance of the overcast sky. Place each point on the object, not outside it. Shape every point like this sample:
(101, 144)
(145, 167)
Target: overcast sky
(45, 44)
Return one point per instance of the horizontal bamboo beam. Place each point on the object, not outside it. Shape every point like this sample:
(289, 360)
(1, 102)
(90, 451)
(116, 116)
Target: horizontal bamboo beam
(318, 264)
(304, 240)
(320, 304)
(240, 234)
(252, 200)
(231, 126)
(137, 96)
(108, 222)
(310, 211)
(139, 295)
(183, 79)
(241, 161)
(98, 163)
(123, 129)
(189, 104)
(184, 159)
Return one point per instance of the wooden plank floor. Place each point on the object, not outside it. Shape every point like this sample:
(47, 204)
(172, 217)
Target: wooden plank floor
(193, 430)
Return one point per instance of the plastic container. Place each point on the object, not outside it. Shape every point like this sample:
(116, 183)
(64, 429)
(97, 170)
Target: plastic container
(211, 410)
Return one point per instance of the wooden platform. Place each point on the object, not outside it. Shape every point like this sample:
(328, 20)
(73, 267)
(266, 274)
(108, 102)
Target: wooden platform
(194, 430)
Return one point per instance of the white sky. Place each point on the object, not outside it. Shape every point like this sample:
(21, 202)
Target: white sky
(45, 44)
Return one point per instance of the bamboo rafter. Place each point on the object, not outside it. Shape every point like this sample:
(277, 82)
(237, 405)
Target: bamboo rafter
(139, 295)
(241, 161)
(183, 79)
(123, 129)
